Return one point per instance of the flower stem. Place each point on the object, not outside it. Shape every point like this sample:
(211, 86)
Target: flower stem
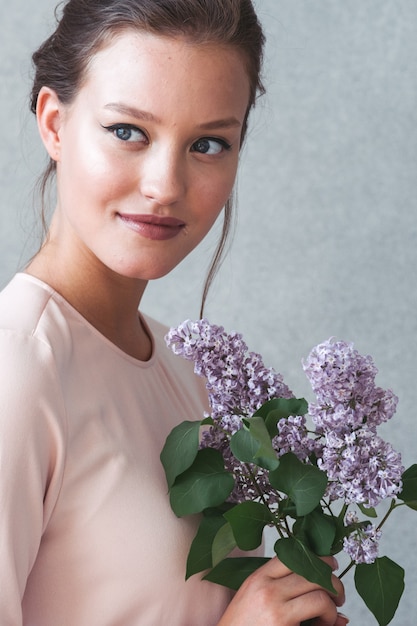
(393, 506)
(346, 570)
(275, 519)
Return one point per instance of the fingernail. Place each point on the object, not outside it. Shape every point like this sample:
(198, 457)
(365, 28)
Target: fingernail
(347, 620)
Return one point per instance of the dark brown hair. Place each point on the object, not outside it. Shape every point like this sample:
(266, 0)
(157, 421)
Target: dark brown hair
(85, 26)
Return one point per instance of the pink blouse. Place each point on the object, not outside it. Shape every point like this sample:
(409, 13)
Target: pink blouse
(87, 536)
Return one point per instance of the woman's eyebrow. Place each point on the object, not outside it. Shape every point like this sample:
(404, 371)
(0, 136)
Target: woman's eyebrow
(125, 109)
(228, 122)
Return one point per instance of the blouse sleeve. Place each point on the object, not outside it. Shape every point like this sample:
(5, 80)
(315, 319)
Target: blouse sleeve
(32, 451)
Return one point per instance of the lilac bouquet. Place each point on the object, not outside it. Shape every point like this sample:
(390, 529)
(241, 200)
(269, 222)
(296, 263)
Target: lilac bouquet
(313, 471)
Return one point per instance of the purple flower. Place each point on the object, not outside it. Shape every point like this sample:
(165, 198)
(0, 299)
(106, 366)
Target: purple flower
(293, 437)
(362, 544)
(362, 468)
(344, 384)
(336, 371)
(237, 381)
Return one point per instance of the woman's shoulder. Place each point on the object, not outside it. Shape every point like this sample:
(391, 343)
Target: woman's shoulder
(22, 304)
(30, 391)
(32, 324)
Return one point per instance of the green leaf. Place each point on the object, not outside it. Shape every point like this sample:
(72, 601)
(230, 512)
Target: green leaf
(252, 444)
(180, 449)
(301, 560)
(380, 585)
(233, 572)
(200, 554)
(286, 508)
(409, 491)
(280, 408)
(318, 531)
(368, 511)
(244, 446)
(205, 484)
(304, 484)
(248, 521)
(223, 543)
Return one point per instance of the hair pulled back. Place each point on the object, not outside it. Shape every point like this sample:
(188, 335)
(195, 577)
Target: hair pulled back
(85, 26)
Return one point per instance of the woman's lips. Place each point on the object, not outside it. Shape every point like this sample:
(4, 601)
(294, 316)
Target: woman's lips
(153, 226)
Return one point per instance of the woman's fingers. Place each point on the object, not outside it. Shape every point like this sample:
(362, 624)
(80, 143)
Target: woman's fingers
(315, 604)
(276, 569)
(293, 585)
(276, 595)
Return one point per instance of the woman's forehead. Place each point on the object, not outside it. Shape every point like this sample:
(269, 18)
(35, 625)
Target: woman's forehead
(139, 66)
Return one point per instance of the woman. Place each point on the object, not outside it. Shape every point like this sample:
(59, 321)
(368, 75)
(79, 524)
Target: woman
(142, 106)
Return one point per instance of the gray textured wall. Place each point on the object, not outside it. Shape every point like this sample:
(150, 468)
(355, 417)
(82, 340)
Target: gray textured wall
(326, 239)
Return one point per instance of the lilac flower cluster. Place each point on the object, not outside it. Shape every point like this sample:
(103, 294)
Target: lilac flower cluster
(237, 380)
(293, 437)
(238, 383)
(362, 543)
(361, 467)
(344, 383)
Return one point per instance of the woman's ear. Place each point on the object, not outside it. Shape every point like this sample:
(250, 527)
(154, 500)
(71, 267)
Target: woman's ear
(49, 114)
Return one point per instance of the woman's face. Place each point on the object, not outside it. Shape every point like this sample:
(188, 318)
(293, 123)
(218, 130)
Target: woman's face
(148, 152)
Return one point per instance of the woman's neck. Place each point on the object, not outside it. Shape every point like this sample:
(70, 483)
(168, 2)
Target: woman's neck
(108, 301)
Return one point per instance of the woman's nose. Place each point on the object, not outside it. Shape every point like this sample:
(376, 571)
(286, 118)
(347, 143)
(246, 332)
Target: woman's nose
(163, 176)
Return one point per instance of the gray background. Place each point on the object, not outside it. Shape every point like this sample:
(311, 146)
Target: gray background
(325, 243)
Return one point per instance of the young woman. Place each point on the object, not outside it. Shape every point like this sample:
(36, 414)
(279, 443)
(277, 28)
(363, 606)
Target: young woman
(142, 106)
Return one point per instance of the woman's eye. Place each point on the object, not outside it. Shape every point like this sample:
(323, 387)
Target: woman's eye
(127, 133)
(207, 145)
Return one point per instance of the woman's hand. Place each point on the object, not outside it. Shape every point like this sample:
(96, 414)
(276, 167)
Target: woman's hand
(275, 596)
